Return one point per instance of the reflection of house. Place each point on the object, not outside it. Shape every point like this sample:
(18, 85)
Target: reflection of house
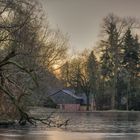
(67, 100)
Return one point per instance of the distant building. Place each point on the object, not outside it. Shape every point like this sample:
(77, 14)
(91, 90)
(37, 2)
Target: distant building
(67, 100)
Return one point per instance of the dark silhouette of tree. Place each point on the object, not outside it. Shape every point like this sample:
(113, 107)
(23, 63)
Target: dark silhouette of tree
(92, 71)
(131, 64)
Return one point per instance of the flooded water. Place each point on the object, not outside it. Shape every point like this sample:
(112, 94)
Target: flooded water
(83, 126)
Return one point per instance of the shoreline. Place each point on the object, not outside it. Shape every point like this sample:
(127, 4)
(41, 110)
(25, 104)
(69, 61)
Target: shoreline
(50, 110)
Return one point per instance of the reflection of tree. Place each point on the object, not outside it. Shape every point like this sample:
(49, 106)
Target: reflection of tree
(125, 122)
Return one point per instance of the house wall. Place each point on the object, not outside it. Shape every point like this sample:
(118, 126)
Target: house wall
(70, 107)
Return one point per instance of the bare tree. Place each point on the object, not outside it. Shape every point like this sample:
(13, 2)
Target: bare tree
(22, 41)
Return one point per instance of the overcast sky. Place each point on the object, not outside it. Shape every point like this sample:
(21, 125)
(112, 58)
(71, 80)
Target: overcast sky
(82, 19)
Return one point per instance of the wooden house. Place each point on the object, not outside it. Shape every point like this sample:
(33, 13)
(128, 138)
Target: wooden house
(67, 100)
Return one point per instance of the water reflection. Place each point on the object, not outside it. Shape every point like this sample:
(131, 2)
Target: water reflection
(62, 135)
(23, 135)
(107, 122)
(83, 126)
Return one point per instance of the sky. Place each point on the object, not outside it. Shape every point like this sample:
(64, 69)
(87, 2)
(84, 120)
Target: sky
(81, 19)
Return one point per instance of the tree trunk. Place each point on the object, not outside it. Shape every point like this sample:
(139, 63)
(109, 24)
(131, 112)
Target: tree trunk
(88, 104)
(115, 79)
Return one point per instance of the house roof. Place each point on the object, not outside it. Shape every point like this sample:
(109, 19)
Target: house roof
(68, 92)
(71, 94)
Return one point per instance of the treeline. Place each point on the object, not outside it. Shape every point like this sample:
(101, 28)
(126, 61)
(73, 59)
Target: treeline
(113, 79)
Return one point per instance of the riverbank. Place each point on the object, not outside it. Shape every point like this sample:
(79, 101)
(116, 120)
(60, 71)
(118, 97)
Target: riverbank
(43, 112)
(50, 110)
